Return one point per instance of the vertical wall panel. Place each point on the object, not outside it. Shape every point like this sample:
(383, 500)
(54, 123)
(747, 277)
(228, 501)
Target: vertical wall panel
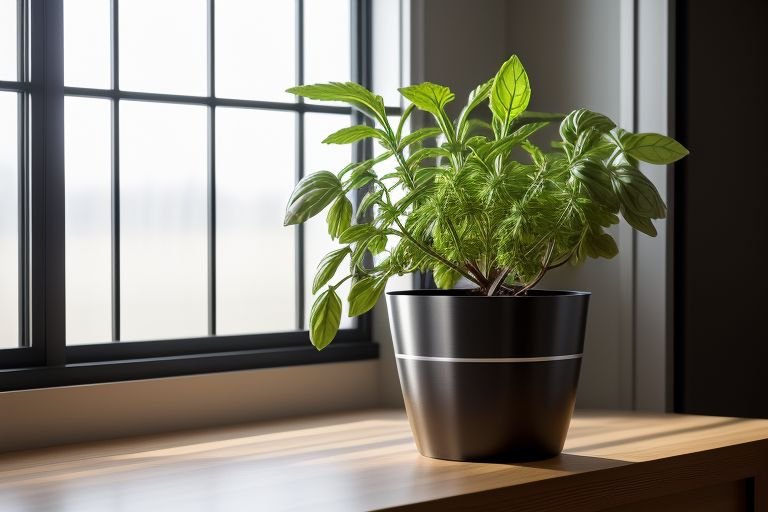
(721, 223)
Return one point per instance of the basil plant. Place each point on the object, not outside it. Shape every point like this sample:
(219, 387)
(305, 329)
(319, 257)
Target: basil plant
(470, 199)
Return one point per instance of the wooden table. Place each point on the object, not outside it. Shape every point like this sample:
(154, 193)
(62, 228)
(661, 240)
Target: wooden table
(613, 461)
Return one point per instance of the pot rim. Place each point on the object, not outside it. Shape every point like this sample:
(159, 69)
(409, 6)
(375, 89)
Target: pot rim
(464, 293)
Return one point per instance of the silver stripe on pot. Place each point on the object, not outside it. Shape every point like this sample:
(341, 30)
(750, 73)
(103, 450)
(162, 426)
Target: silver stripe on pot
(541, 359)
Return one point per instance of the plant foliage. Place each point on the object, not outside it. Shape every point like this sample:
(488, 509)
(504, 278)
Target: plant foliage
(470, 199)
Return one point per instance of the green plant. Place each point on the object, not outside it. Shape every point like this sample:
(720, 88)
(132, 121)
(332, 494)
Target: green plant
(482, 201)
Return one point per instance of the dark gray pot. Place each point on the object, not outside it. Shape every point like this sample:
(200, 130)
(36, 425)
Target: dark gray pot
(488, 377)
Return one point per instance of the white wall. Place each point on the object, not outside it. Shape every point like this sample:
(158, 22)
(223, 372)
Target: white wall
(571, 51)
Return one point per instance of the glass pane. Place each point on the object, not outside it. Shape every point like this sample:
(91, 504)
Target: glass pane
(87, 43)
(7, 39)
(255, 49)
(163, 220)
(386, 50)
(317, 243)
(9, 222)
(87, 134)
(163, 46)
(327, 41)
(255, 254)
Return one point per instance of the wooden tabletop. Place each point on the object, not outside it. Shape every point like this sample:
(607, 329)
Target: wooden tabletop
(367, 460)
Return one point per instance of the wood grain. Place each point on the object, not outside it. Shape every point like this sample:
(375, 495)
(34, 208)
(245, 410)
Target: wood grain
(367, 460)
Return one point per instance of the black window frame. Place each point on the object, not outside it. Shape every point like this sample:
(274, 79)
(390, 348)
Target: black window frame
(43, 358)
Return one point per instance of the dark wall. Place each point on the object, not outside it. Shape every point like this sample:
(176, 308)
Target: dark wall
(721, 208)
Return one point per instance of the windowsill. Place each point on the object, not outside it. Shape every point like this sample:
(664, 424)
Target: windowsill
(368, 460)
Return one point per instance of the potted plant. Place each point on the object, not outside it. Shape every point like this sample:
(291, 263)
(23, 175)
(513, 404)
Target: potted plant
(488, 371)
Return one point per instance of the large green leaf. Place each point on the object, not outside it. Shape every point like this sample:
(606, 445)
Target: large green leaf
(654, 148)
(339, 216)
(582, 120)
(640, 223)
(377, 243)
(371, 198)
(327, 267)
(311, 195)
(359, 177)
(424, 153)
(529, 129)
(324, 318)
(348, 92)
(511, 92)
(365, 293)
(357, 233)
(597, 180)
(505, 144)
(429, 97)
(353, 134)
(637, 194)
(601, 246)
(528, 117)
(476, 97)
(418, 136)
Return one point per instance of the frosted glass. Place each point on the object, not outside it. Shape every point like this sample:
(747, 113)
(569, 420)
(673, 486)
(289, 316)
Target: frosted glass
(163, 220)
(87, 43)
(386, 50)
(255, 254)
(7, 39)
(317, 243)
(9, 219)
(255, 49)
(327, 41)
(87, 187)
(163, 46)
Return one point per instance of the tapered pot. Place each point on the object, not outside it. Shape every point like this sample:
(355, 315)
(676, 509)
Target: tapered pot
(488, 378)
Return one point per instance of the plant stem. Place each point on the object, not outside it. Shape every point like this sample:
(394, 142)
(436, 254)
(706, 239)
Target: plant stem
(542, 272)
(476, 272)
(560, 264)
(497, 282)
(405, 233)
(455, 237)
(403, 118)
(433, 254)
(334, 286)
(530, 119)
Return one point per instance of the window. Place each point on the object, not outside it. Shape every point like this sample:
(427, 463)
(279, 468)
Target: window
(147, 150)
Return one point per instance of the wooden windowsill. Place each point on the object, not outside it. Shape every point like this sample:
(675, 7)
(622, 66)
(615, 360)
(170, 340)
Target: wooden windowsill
(367, 460)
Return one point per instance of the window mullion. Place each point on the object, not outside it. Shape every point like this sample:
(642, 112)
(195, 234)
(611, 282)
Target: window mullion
(115, 171)
(211, 169)
(361, 72)
(48, 319)
(22, 75)
(300, 277)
